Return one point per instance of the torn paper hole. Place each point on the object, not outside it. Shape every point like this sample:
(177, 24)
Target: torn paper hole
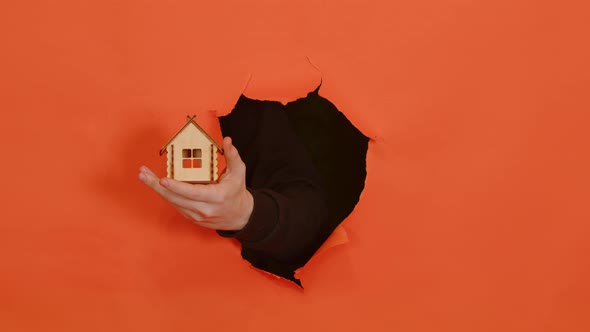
(338, 151)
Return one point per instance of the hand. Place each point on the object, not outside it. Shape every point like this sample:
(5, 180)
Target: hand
(226, 205)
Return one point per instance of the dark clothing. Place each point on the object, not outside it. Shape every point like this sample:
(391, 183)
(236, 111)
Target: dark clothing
(294, 212)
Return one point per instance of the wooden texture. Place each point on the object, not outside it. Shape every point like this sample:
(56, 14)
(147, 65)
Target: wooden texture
(192, 137)
(214, 163)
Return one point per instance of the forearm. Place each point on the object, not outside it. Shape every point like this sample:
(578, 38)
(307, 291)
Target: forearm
(286, 223)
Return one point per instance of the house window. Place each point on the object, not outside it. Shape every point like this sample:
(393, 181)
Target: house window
(191, 158)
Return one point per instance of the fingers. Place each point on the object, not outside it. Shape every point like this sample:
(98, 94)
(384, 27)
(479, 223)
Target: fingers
(196, 217)
(194, 192)
(153, 182)
(149, 178)
(188, 214)
(232, 157)
(197, 211)
(145, 169)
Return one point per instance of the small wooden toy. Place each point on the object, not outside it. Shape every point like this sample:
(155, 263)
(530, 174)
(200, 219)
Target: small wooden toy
(192, 154)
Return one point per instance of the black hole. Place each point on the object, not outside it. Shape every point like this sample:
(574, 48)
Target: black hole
(338, 149)
(311, 127)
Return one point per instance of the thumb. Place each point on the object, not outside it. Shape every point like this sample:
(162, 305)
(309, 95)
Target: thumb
(232, 157)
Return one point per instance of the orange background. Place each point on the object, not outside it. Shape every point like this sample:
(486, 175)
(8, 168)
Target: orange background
(475, 215)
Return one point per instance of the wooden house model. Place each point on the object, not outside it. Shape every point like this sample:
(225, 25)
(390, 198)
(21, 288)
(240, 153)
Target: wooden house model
(192, 155)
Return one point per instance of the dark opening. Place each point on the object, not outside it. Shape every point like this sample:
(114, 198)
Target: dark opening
(336, 148)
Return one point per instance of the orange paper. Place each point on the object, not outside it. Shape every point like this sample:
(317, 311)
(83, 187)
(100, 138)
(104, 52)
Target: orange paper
(475, 211)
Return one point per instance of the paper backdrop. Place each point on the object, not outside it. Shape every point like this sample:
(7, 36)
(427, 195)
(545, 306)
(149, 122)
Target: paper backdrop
(475, 214)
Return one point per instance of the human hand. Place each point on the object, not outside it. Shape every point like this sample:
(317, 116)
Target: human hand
(226, 205)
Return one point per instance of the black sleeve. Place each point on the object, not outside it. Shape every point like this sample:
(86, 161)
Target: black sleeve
(290, 208)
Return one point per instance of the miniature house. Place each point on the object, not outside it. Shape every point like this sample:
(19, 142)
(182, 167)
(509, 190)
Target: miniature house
(192, 155)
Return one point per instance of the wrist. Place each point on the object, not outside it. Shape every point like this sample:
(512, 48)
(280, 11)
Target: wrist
(247, 206)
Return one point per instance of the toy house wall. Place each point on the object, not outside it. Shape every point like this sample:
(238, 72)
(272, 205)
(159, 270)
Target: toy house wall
(191, 138)
(169, 161)
(214, 162)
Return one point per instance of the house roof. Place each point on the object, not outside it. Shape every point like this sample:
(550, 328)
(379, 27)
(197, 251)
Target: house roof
(191, 119)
